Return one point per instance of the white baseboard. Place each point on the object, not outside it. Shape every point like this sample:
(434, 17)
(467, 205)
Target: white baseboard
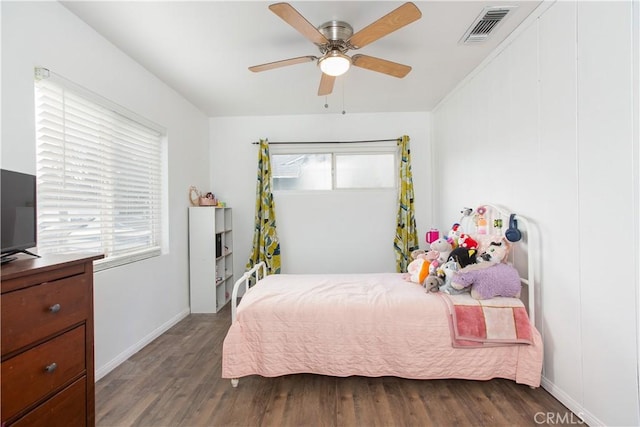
(582, 415)
(111, 365)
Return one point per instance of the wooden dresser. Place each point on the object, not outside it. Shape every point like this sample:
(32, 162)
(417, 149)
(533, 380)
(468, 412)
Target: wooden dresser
(47, 342)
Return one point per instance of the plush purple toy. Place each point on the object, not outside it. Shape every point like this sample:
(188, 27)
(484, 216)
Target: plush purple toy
(488, 280)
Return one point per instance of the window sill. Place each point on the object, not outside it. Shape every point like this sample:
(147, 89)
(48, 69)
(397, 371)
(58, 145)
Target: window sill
(116, 261)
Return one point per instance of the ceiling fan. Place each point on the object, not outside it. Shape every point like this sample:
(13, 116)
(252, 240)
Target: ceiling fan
(336, 38)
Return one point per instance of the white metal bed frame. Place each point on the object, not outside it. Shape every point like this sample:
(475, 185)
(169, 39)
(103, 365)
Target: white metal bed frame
(531, 239)
(246, 281)
(525, 226)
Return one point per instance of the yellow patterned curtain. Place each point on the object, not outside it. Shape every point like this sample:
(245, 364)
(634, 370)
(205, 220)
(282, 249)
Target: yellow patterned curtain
(266, 246)
(406, 239)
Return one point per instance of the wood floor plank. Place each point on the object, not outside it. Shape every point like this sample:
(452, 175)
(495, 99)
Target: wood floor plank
(480, 409)
(406, 406)
(311, 401)
(345, 402)
(418, 414)
(175, 381)
(382, 401)
(274, 411)
(429, 396)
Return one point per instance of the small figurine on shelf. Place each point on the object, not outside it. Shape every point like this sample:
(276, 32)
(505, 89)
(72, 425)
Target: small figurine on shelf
(208, 200)
(194, 195)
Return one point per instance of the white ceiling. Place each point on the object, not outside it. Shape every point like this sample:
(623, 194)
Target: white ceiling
(202, 49)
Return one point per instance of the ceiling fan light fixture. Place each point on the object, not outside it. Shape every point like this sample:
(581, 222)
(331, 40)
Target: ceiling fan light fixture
(334, 63)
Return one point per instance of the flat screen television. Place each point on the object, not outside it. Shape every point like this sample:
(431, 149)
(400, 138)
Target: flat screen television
(17, 214)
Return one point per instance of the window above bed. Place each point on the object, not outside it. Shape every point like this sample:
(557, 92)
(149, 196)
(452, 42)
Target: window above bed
(305, 168)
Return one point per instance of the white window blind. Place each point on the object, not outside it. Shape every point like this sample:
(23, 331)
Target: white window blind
(99, 173)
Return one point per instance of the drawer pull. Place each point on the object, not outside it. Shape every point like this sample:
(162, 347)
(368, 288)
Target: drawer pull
(51, 368)
(54, 308)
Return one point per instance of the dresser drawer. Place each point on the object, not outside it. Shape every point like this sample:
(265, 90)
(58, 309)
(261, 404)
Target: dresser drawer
(65, 409)
(34, 313)
(25, 379)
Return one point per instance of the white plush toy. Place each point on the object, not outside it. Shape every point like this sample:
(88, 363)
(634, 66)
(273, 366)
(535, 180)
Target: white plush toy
(443, 248)
(495, 251)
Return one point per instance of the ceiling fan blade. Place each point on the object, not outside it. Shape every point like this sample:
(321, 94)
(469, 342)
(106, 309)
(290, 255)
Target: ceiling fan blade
(326, 84)
(394, 20)
(283, 63)
(380, 65)
(299, 22)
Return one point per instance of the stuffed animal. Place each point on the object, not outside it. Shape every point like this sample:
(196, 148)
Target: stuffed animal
(432, 283)
(442, 248)
(436, 256)
(448, 270)
(432, 256)
(418, 270)
(496, 251)
(415, 254)
(453, 235)
(463, 256)
(466, 241)
(488, 280)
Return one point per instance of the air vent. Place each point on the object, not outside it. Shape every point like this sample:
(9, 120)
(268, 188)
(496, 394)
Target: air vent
(485, 23)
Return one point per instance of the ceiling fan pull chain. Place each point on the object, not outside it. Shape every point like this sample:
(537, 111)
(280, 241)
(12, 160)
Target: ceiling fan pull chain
(343, 110)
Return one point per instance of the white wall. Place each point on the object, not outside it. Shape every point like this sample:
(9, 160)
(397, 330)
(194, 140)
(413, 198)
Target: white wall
(545, 128)
(136, 302)
(320, 232)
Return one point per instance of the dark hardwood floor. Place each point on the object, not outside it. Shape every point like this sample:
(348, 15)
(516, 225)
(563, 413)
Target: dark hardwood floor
(175, 381)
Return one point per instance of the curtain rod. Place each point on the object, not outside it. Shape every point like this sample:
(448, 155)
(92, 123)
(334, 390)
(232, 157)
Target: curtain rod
(328, 142)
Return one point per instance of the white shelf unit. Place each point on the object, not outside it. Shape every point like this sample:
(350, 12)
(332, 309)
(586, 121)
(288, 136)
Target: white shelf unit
(210, 258)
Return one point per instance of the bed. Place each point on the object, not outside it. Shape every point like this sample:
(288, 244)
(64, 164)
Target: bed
(380, 324)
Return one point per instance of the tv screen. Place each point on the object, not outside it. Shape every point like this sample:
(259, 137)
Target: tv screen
(18, 211)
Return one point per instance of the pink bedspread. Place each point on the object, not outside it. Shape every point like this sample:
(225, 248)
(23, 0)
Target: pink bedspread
(365, 324)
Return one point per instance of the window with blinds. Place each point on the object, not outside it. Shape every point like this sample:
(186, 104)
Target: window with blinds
(99, 177)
